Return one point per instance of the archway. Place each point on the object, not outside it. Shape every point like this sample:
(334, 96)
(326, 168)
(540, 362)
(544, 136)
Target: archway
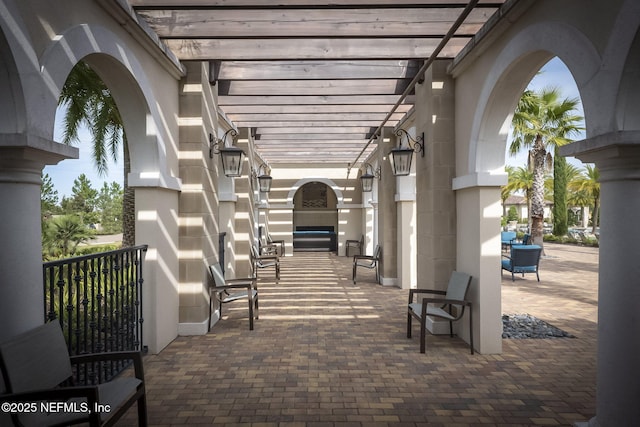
(315, 218)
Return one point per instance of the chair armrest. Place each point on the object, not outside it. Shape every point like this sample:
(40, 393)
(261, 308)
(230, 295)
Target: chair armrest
(426, 301)
(239, 281)
(412, 292)
(245, 285)
(269, 257)
(367, 257)
(135, 356)
(58, 393)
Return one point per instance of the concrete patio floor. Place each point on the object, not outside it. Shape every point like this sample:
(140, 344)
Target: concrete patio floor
(325, 352)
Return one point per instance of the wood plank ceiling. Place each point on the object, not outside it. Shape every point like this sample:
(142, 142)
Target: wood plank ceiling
(313, 79)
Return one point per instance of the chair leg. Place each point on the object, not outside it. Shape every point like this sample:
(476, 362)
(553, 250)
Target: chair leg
(255, 304)
(142, 411)
(409, 325)
(353, 276)
(471, 328)
(450, 329)
(210, 310)
(278, 271)
(250, 298)
(423, 335)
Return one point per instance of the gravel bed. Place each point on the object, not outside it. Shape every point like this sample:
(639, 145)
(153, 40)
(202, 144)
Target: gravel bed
(525, 326)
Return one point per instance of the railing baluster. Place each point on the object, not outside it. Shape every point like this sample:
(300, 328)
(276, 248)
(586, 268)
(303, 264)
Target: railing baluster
(98, 301)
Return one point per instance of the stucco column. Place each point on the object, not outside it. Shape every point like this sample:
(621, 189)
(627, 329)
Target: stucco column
(406, 213)
(617, 156)
(157, 226)
(387, 216)
(245, 219)
(478, 254)
(435, 199)
(22, 159)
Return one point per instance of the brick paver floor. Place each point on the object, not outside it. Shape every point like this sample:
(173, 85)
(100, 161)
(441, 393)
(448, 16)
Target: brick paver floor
(326, 352)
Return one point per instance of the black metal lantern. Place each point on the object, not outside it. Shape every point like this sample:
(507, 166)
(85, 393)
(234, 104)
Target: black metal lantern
(264, 183)
(263, 177)
(232, 156)
(401, 156)
(366, 179)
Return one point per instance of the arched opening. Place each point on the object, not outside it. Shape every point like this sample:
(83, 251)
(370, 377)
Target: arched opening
(92, 190)
(315, 218)
(560, 173)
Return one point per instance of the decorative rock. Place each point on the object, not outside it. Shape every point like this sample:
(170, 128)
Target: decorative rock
(525, 326)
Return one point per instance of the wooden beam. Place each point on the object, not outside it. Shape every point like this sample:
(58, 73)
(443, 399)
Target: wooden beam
(313, 87)
(311, 100)
(318, 125)
(374, 109)
(343, 136)
(305, 49)
(301, 117)
(282, 22)
(285, 3)
(300, 70)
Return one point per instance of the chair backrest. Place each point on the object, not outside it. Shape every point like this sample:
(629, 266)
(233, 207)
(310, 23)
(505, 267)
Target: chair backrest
(507, 236)
(525, 239)
(36, 359)
(216, 273)
(458, 285)
(525, 256)
(254, 253)
(376, 252)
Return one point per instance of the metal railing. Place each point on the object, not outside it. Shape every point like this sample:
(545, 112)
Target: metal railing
(98, 301)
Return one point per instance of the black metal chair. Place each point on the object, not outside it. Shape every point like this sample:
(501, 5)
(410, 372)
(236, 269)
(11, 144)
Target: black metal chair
(229, 290)
(277, 243)
(267, 248)
(259, 261)
(355, 244)
(368, 261)
(37, 369)
(523, 259)
(454, 297)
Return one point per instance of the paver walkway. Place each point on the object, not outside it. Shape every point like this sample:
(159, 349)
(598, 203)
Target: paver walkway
(327, 353)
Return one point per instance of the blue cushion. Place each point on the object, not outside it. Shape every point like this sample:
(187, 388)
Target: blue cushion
(506, 264)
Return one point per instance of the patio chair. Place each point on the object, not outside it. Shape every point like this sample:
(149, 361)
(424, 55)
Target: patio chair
(37, 369)
(368, 261)
(507, 238)
(526, 240)
(229, 290)
(277, 243)
(523, 259)
(454, 297)
(355, 244)
(259, 261)
(266, 247)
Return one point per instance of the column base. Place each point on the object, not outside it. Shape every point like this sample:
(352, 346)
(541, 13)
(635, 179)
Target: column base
(593, 422)
(201, 328)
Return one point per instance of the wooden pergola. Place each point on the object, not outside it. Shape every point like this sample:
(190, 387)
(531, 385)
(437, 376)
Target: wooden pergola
(314, 81)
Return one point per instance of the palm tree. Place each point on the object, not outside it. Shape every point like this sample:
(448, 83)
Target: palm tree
(89, 102)
(542, 120)
(63, 235)
(519, 179)
(587, 186)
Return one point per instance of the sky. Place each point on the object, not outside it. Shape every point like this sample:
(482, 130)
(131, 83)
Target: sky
(554, 73)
